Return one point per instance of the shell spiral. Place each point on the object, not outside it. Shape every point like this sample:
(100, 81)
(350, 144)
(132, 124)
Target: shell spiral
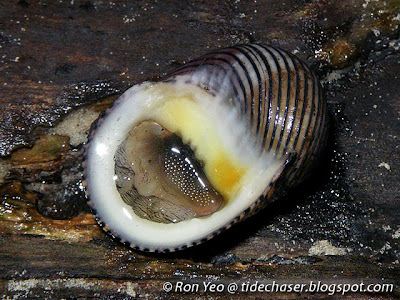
(224, 134)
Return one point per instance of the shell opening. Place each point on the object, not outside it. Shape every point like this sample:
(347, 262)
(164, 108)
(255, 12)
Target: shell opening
(160, 177)
(179, 161)
(219, 140)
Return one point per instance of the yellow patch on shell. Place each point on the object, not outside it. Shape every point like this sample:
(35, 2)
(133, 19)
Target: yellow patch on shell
(182, 115)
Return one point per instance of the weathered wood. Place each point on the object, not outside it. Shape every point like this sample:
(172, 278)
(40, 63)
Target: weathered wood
(62, 63)
(37, 267)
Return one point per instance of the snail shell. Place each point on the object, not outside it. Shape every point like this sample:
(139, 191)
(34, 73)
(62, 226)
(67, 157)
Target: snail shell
(173, 163)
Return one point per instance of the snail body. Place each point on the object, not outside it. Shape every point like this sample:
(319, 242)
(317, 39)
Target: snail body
(173, 163)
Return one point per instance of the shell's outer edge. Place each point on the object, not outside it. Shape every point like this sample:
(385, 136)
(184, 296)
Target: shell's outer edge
(256, 206)
(320, 131)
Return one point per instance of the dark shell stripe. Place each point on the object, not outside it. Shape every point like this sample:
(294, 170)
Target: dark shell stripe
(281, 120)
(257, 102)
(292, 106)
(297, 107)
(304, 133)
(277, 94)
(257, 96)
(312, 128)
(266, 93)
(289, 106)
(319, 135)
(275, 99)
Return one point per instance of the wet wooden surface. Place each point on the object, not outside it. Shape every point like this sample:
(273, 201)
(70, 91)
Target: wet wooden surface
(62, 63)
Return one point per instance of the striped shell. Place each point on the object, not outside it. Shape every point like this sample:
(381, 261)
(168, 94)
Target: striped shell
(174, 163)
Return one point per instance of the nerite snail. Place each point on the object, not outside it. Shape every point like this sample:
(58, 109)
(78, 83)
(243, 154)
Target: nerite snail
(175, 162)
